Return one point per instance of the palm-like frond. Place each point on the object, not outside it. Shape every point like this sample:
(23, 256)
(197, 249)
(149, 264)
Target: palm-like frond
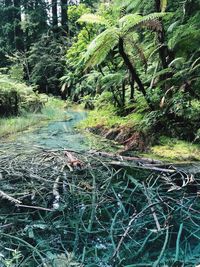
(129, 22)
(112, 79)
(129, 4)
(93, 19)
(101, 46)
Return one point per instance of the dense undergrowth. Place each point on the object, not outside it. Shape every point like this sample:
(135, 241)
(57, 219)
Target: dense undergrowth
(106, 120)
(22, 108)
(16, 97)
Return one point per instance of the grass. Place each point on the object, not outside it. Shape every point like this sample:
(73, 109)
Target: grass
(108, 118)
(53, 110)
(172, 149)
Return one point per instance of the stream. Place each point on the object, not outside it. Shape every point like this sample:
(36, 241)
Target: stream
(59, 135)
(99, 212)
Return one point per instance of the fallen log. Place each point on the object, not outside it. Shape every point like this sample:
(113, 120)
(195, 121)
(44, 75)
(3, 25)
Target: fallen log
(125, 158)
(152, 168)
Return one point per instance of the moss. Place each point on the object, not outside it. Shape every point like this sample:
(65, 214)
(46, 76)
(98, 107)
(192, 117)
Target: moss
(167, 149)
(172, 149)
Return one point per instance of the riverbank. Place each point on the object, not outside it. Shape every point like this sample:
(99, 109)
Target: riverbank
(133, 134)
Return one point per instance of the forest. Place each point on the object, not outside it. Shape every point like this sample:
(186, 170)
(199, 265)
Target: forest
(99, 133)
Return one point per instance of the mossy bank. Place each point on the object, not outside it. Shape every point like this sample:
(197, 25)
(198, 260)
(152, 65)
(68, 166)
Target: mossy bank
(136, 138)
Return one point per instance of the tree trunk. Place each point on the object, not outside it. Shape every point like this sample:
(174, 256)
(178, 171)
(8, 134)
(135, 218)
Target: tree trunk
(54, 13)
(64, 15)
(9, 19)
(133, 73)
(123, 93)
(132, 93)
(164, 53)
(17, 28)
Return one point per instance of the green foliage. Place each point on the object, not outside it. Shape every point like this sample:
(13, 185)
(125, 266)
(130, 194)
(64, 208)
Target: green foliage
(101, 46)
(92, 18)
(46, 64)
(184, 35)
(174, 149)
(52, 110)
(74, 13)
(16, 97)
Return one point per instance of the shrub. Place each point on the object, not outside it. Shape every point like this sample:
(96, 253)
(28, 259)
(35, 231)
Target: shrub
(15, 97)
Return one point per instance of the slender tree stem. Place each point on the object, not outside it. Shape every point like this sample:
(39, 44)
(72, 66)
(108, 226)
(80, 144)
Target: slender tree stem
(133, 73)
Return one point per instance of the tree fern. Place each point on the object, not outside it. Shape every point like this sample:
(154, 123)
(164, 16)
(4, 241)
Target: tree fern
(100, 47)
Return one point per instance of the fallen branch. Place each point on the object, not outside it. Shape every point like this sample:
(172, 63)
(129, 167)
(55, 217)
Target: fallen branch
(124, 158)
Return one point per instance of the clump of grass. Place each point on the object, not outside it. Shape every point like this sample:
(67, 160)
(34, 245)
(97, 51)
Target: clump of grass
(108, 117)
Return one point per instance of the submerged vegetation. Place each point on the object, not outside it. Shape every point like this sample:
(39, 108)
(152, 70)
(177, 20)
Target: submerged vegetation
(60, 219)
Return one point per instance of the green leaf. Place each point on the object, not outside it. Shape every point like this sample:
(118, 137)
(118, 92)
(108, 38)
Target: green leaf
(93, 19)
(100, 47)
(130, 22)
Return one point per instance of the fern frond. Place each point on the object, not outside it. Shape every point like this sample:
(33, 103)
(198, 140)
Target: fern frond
(129, 22)
(100, 47)
(162, 72)
(177, 61)
(93, 19)
(129, 4)
(112, 79)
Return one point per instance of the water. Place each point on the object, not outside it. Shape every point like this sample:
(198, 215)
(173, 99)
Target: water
(61, 135)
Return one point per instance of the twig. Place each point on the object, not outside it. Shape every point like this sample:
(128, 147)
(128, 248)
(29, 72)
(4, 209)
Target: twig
(33, 207)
